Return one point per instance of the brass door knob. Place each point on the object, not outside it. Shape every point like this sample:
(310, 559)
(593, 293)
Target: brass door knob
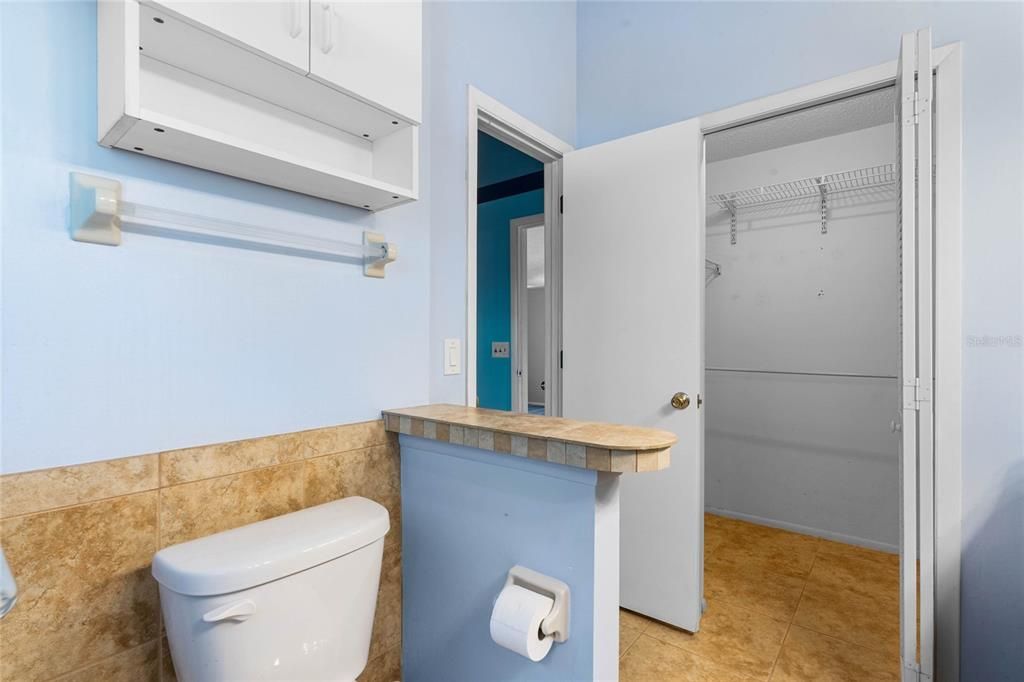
(680, 401)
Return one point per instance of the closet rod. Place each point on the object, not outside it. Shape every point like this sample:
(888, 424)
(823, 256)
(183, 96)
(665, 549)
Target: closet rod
(849, 375)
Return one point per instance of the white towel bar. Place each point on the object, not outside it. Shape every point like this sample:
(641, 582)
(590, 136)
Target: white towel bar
(98, 216)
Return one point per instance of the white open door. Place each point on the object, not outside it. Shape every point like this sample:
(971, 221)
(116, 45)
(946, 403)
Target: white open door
(914, 160)
(633, 297)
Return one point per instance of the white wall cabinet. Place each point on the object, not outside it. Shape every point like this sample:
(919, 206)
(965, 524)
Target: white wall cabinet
(280, 30)
(370, 49)
(221, 86)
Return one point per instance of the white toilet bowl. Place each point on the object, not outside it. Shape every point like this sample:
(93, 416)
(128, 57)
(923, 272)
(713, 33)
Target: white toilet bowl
(290, 598)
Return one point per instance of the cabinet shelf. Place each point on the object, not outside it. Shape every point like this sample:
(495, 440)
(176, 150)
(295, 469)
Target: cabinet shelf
(175, 90)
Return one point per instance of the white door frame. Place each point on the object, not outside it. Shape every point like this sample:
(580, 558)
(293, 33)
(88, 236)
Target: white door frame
(520, 311)
(946, 277)
(494, 118)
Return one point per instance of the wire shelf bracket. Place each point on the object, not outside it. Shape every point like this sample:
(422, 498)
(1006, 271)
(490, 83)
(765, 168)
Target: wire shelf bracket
(822, 189)
(98, 215)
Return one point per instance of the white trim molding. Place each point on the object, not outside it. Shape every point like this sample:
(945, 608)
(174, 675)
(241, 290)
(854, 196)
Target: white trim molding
(519, 309)
(947, 400)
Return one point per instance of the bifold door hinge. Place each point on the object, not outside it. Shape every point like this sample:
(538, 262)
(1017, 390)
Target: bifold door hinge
(917, 109)
(914, 394)
(912, 671)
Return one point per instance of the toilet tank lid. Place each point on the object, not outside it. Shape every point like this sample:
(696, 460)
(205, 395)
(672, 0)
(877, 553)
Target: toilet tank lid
(251, 555)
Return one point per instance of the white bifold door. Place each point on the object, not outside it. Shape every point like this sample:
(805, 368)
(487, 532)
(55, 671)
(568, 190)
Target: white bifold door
(914, 90)
(633, 297)
(633, 335)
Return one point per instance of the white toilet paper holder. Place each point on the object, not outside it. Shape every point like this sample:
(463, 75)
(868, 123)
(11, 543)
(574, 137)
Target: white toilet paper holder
(556, 623)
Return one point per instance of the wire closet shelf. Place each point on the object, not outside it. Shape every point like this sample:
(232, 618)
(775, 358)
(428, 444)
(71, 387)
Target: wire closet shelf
(818, 188)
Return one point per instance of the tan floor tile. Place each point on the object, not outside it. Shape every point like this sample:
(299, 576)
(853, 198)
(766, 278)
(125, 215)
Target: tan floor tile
(864, 574)
(714, 520)
(772, 549)
(734, 637)
(650, 660)
(727, 523)
(633, 620)
(627, 637)
(751, 587)
(714, 535)
(841, 549)
(872, 622)
(812, 657)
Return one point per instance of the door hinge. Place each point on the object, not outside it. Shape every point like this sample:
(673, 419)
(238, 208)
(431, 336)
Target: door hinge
(561, 359)
(561, 204)
(913, 671)
(917, 105)
(914, 394)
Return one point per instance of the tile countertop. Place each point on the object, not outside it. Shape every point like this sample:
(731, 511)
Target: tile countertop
(586, 445)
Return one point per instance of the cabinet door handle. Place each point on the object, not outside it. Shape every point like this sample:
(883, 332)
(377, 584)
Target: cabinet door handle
(296, 14)
(328, 39)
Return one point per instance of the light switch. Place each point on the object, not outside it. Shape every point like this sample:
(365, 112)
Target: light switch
(499, 349)
(452, 356)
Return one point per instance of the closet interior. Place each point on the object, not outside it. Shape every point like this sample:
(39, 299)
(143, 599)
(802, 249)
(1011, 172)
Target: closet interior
(802, 339)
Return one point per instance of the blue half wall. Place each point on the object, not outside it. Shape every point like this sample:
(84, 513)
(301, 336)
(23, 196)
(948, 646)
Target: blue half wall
(468, 516)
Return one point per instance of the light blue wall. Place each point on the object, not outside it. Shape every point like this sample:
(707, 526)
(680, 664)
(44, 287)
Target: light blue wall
(156, 344)
(643, 65)
(493, 303)
(521, 53)
(468, 516)
(160, 344)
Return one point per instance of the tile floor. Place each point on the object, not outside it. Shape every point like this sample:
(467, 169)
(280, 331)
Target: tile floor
(782, 607)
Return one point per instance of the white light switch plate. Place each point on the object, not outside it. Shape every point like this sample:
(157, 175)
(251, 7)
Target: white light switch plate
(452, 356)
(499, 349)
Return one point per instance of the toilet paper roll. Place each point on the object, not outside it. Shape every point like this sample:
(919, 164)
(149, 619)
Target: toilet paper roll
(516, 619)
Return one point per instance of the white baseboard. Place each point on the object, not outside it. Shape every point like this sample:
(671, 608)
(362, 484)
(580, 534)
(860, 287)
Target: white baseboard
(805, 530)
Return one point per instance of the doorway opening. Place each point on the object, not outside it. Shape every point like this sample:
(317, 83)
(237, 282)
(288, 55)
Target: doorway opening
(510, 187)
(802, 395)
(513, 174)
(634, 284)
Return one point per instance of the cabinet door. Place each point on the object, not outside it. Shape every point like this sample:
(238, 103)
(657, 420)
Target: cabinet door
(370, 49)
(280, 30)
(633, 335)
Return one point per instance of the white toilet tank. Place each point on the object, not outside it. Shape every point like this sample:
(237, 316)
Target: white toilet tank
(290, 598)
